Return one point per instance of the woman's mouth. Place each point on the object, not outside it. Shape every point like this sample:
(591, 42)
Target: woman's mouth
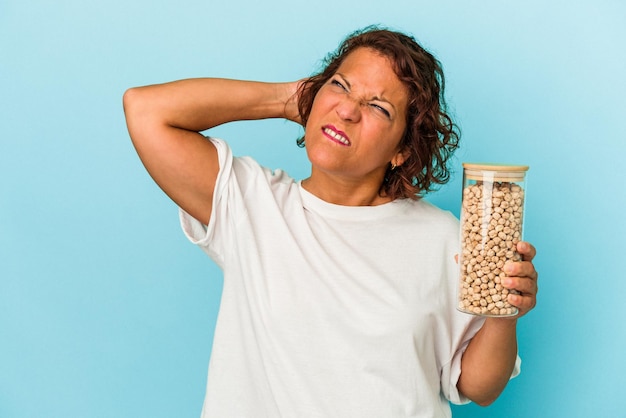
(336, 135)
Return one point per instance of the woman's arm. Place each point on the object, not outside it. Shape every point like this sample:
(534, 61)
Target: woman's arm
(489, 360)
(164, 122)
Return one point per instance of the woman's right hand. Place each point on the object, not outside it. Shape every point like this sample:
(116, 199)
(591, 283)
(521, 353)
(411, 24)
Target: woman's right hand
(292, 92)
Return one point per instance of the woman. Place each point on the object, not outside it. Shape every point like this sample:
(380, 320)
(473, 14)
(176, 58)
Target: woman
(339, 292)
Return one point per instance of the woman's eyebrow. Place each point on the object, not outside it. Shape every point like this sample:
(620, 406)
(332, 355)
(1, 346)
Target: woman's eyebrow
(344, 79)
(382, 99)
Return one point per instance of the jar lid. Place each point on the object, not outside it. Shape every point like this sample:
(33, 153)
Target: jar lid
(494, 172)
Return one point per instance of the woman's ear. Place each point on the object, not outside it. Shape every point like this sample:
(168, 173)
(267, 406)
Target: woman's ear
(400, 157)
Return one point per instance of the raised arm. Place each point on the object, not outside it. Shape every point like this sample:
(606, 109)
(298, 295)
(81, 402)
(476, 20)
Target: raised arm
(164, 122)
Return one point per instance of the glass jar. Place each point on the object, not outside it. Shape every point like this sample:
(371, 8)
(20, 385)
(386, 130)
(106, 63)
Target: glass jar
(491, 226)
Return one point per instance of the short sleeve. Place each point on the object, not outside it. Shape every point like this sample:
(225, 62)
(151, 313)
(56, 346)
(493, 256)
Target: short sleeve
(198, 233)
(452, 370)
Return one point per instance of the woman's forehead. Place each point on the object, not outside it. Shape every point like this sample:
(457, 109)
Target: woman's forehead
(369, 70)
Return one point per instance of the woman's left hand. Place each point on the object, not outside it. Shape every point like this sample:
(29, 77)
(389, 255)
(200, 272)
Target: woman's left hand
(522, 277)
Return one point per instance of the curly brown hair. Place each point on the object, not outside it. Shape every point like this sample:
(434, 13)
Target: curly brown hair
(431, 137)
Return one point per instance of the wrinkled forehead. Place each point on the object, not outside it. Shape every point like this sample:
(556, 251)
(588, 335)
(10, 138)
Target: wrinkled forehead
(367, 71)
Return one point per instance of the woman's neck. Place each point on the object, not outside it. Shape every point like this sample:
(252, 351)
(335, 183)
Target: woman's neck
(344, 192)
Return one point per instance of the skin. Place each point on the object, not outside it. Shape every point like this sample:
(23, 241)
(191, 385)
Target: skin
(488, 361)
(365, 103)
(164, 122)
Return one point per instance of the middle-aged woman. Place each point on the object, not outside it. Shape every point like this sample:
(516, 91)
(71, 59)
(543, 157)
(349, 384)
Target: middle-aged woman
(339, 294)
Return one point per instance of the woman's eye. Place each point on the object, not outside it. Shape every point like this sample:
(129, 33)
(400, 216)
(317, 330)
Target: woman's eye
(381, 110)
(337, 83)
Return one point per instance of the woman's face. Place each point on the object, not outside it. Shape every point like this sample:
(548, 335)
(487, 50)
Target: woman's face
(358, 119)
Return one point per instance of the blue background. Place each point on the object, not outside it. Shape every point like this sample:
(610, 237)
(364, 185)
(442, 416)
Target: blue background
(107, 311)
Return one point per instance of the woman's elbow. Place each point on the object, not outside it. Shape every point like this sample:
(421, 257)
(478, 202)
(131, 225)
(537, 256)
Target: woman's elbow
(130, 100)
(485, 402)
(139, 113)
(483, 399)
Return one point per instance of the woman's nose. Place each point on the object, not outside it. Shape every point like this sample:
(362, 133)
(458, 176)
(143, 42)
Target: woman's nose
(349, 109)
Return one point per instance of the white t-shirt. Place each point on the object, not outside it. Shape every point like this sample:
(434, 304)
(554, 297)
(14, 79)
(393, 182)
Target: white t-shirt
(328, 310)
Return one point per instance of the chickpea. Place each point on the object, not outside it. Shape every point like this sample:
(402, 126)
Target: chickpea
(491, 226)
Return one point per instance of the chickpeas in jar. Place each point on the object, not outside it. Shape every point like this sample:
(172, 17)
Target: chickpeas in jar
(492, 212)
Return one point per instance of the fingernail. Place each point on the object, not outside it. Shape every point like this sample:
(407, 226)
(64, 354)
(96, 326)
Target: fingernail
(508, 268)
